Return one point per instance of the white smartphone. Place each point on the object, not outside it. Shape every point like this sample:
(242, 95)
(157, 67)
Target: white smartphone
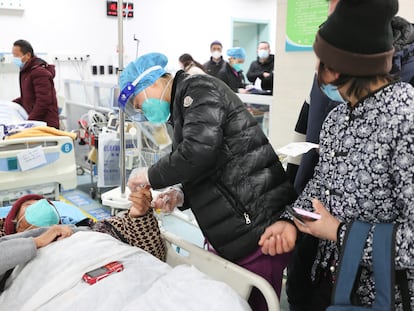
(302, 214)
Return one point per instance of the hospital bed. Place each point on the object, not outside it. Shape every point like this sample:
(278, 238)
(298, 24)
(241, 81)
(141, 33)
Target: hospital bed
(43, 165)
(240, 279)
(59, 172)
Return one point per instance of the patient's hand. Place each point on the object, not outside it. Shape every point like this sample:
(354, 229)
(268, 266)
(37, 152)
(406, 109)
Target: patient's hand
(56, 232)
(141, 201)
(138, 178)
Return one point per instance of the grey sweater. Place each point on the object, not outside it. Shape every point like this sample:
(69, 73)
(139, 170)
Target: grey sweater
(17, 249)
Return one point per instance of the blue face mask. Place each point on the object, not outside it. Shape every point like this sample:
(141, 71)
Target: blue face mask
(237, 67)
(18, 62)
(263, 54)
(332, 92)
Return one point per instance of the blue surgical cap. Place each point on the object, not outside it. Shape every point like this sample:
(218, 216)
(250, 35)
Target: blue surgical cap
(145, 70)
(236, 53)
(42, 214)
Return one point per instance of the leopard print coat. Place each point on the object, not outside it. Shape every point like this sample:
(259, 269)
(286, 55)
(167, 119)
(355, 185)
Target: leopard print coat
(142, 232)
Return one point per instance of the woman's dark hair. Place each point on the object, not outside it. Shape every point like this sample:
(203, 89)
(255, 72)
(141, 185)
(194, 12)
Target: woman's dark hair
(25, 46)
(186, 59)
(358, 85)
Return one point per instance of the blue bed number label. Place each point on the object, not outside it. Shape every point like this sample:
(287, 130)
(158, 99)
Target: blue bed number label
(67, 147)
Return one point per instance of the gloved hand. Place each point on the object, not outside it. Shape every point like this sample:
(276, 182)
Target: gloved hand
(138, 178)
(169, 199)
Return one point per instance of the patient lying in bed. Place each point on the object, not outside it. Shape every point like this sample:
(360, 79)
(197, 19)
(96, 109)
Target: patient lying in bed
(53, 278)
(138, 227)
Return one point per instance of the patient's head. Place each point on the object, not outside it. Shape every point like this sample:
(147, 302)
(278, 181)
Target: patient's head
(31, 211)
(41, 213)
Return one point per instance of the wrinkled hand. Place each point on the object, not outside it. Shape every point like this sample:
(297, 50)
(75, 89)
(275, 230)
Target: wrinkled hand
(323, 228)
(56, 232)
(141, 201)
(169, 199)
(278, 238)
(138, 178)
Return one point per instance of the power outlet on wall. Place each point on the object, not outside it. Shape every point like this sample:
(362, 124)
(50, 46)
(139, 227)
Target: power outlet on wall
(71, 57)
(12, 4)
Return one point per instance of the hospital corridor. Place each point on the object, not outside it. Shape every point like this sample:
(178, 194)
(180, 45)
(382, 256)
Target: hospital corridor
(223, 155)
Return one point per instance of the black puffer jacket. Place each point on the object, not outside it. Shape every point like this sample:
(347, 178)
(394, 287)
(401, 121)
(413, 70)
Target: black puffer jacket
(232, 178)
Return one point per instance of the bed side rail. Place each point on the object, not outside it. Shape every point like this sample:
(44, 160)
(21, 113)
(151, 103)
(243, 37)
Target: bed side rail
(218, 268)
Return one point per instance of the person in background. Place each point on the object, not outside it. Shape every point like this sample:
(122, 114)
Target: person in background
(37, 89)
(232, 73)
(190, 66)
(263, 67)
(230, 175)
(138, 227)
(368, 176)
(314, 111)
(216, 62)
(403, 59)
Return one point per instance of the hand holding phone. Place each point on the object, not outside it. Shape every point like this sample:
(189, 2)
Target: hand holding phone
(302, 215)
(100, 273)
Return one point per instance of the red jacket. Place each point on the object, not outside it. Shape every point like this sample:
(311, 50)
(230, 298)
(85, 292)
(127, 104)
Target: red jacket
(37, 92)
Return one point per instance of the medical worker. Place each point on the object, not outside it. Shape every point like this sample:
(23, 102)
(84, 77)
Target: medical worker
(232, 73)
(232, 178)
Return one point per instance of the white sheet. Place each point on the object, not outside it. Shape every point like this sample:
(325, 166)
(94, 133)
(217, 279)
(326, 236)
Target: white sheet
(10, 112)
(52, 281)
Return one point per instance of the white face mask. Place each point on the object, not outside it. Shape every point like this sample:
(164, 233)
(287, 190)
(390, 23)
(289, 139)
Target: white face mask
(263, 53)
(216, 54)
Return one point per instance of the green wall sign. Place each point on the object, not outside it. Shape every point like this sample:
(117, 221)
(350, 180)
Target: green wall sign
(303, 20)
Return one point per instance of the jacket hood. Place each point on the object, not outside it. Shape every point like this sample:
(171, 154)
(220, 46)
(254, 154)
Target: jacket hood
(403, 32)
(36, 62)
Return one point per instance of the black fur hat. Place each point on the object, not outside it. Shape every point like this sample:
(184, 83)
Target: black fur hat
(357, 37)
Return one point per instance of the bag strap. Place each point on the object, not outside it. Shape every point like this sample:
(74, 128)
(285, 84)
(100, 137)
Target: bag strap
(402, 280)
(383, 254)
(351, 257)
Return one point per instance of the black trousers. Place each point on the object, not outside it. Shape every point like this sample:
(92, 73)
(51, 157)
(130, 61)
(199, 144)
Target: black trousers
(318, 296)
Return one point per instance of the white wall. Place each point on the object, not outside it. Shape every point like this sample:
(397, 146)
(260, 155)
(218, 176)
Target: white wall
(79, 27)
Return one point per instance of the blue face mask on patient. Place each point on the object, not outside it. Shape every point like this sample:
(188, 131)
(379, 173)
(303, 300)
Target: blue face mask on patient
(332, 92)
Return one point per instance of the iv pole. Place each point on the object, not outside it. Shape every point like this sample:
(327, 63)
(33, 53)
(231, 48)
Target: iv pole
(121, 112)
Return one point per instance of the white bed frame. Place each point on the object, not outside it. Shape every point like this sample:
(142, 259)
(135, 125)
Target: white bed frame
(59, 171)
(240, 279)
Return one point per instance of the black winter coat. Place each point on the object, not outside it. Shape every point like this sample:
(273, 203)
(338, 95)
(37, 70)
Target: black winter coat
(257, 69)
(235, 80)
(232, 179)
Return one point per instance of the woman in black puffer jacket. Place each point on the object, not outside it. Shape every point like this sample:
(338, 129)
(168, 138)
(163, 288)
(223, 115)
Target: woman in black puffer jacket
(231, 177)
